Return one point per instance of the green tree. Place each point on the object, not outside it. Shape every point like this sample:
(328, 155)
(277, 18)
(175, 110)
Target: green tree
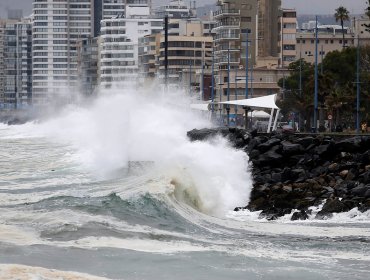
(342, 15)
(297, 100)
(336, 88)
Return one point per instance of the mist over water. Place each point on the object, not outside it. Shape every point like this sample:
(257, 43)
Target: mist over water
(121, 127)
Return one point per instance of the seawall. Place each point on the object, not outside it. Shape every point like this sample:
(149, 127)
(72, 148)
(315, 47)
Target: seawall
(297, 171)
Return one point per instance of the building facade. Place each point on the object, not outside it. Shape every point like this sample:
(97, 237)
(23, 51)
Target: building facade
(16, 64)
(330, 38)
(176, 9)
(288, 39)
(247, 37)
(88, 61)
(57, 27)
(119, 57)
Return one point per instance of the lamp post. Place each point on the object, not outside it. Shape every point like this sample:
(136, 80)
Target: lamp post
(322, 59)
(300, 78)
(246, 64)
(213, 80)
(220, 89)
(316, 81)
(190, 78)
(358, 86)
(228, 87)
(203, 65)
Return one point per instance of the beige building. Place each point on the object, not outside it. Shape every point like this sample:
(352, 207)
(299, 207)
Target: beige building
(288, 39)
(247, 27)
(186, 55)
(189, 50)
(330, 38)
(360, 29)
(148, 54)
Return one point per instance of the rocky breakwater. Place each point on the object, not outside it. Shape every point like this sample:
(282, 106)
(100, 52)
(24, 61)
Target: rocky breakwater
(294, 172)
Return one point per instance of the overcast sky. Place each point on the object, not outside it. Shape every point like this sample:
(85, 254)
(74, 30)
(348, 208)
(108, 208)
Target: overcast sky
(302, 6)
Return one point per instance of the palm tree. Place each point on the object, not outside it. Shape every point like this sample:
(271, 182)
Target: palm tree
(342, 15)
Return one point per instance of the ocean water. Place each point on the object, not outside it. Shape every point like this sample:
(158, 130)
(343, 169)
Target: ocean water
(115, 190)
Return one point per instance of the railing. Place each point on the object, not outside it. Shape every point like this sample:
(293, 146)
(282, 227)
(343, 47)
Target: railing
(234, 23)
(227, 36)
(226, 12)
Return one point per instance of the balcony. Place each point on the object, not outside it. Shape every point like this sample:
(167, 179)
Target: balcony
(221, 37)
(226, 13)
(227, 24)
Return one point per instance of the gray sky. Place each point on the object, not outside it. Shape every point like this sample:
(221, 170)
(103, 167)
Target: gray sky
(302, 6)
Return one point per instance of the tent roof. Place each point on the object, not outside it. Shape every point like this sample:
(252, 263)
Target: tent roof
(259, 114)
(259, 102)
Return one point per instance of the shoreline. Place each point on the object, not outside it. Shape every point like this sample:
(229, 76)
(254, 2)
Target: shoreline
(298, 171)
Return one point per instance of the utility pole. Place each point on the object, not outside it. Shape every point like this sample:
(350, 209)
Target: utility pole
(316, 81)
(358, 87)
(166, 52)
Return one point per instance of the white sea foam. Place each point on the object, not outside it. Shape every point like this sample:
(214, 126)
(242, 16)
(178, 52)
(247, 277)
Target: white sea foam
(354, 216)
(119, 128)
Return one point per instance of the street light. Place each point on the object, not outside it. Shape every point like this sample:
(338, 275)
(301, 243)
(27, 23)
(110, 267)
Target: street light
(247, 64)
(316, 81)
(213, 80)
(358, 87)
(228, 87)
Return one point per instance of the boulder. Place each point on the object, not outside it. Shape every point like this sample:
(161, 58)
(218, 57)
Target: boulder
(268, 144)
(359, 191)
(332, 206)
(350, 145)
(289, 148)
(301, 215)
(306, 141)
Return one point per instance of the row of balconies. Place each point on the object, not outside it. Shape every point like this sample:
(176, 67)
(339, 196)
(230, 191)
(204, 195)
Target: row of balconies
(226, 12)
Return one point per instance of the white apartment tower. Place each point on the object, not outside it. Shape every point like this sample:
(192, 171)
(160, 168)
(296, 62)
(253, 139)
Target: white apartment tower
(58, 24)
(119, 59)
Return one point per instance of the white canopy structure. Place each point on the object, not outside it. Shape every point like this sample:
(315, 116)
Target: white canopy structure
(259, 114)
(267, 102)
(257, 102)
(200, 106)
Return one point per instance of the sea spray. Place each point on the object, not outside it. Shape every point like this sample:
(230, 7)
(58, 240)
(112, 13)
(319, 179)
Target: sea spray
(122, 127)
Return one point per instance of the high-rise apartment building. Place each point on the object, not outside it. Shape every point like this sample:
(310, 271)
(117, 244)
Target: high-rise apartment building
(57, 26)
(119, 58)
(88, 62)
(175, 9)
(15, 64)
(288, 37)
(245, 29)
(107, 9)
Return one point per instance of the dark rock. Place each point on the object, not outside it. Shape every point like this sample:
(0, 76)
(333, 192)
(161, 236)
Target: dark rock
(273, 213)
(254, 154)
(367, 194)
(258, 204)
(267, 145)
(306, 141)
(275, 177)
(271, 157)
(366, 177)
(205, 133)
(323, 150)
(359, 191)
(333, 206)
(298, 174)
(349, 145)
(302, 215)
(290, 148)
